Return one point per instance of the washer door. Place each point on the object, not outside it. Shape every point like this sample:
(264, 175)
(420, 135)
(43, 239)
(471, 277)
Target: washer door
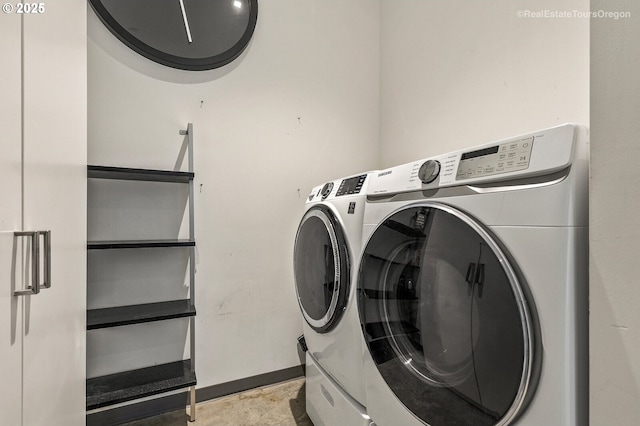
(321, 268)
(445, 317)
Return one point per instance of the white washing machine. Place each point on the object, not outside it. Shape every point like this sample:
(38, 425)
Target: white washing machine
(327, 250)
(473, 286)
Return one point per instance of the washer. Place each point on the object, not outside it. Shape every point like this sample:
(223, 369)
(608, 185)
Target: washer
(327, 250)
(473, 286)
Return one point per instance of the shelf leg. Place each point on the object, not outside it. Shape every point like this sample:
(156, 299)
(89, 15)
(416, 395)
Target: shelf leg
(192, 404)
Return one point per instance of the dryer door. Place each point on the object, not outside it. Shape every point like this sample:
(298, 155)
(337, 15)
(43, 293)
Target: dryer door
(321, 268)
(445, 317)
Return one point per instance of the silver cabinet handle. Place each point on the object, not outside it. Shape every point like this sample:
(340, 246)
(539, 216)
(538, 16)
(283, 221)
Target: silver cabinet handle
(35, 286)
(47, 258)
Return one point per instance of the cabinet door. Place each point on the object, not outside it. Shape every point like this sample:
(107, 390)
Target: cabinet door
(43, 184)
(55, 164)
(10, 219)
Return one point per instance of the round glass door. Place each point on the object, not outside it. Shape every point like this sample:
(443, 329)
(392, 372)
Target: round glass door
(321, 268)
(445, 317)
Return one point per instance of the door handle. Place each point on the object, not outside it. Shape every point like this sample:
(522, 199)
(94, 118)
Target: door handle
(36, 285)
(47, 258)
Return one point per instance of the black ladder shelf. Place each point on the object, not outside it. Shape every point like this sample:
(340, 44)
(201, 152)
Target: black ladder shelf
(126, 173)
(143, 382)
(137, 314)
(135, 244)
(131, 385)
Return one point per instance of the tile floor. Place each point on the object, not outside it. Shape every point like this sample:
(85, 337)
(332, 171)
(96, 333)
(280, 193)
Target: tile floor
(282, 404)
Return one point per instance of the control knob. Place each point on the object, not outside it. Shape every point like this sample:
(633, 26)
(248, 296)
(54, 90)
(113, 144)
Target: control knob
(429, 171)
(326, 190)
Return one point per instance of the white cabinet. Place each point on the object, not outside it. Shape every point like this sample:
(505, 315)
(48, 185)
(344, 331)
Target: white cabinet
(43, 188)
(10, 218)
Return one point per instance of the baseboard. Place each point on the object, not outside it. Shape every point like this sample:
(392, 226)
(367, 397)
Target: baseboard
(154, 407)
(223, 389)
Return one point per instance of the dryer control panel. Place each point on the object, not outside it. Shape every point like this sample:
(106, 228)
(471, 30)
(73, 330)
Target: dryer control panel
(353, 185)
(534, 154)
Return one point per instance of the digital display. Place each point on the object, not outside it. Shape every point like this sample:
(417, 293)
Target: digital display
(351, 186)
(480, 153)
(503, 158)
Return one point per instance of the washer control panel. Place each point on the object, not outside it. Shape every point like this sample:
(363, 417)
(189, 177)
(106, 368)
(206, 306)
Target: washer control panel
(536, 153)
(506, 157)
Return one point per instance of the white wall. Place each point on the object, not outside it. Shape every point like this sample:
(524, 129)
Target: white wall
(459, 73)
(299, 107)
(614, 230)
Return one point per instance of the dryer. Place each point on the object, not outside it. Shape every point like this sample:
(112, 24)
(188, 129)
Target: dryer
(473, 286)
(327, 250)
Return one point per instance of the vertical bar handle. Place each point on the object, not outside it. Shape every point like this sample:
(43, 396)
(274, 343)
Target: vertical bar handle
(47, 258)
(34, 287)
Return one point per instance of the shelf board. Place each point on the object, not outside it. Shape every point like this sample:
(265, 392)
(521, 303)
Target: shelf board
(136, 314)
(130, 385)
(132, 244)
(125, 173)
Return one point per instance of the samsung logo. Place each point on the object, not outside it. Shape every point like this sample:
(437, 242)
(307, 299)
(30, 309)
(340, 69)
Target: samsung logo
(388, 172)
